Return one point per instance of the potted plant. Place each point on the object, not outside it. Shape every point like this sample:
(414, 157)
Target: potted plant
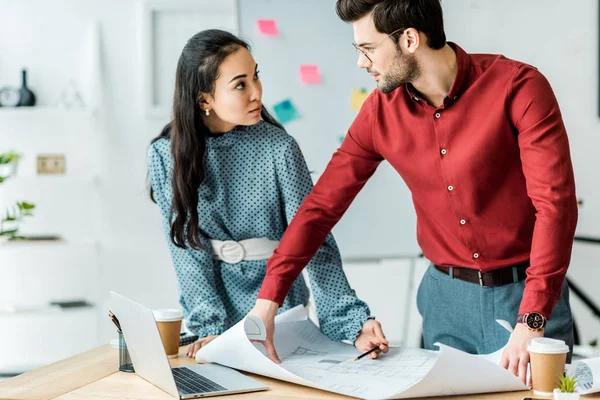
(12, 217)
(9, 223)
(566, 388)
(8, 164)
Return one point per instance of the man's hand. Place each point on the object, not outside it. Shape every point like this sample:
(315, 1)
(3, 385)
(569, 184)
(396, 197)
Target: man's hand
(266, 311)
(371, 336)
(198, 344)
(515, 356)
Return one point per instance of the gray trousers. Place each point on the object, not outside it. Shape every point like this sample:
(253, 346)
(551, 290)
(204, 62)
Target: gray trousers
(463, 314)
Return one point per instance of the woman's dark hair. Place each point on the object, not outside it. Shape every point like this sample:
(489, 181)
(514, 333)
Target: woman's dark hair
(389, 15)
(197, 71)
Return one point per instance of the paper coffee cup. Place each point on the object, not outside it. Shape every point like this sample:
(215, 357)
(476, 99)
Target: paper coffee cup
(547, 357)
(168, 322)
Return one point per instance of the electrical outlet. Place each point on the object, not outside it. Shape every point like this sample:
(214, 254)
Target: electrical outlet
(51, 164)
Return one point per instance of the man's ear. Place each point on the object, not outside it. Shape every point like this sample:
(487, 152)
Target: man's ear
(412, 40)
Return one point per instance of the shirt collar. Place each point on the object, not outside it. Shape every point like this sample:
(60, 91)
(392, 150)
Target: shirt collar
(227, 138)
(463, 69)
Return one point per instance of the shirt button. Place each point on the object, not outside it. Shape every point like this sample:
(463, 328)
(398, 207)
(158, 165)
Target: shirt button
(437, 115)
(475, 255)
(462, 222)
(450, 188)
(443, 151)
(455, 97)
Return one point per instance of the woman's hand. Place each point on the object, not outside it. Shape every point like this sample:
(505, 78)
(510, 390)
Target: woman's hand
(198, 344)
(371, 336)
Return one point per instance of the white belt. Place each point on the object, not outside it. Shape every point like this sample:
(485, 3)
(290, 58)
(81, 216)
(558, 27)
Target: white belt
(250, 249)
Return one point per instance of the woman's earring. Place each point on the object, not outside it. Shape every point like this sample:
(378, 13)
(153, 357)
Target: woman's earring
(207, 112)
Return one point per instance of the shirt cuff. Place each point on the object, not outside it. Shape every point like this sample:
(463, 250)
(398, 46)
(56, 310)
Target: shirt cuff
(204, 330)
(275, 288)
(356, 327)
(541, 302)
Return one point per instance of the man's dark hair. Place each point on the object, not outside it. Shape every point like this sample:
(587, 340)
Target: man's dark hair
(389, 15)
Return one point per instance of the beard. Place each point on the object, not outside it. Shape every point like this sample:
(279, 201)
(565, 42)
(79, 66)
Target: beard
(405, 69)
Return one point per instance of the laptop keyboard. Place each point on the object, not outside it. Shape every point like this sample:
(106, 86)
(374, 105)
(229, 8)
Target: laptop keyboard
(190, 382)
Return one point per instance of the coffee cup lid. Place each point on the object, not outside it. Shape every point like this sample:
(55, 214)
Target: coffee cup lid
(547, 346)
(167, 314)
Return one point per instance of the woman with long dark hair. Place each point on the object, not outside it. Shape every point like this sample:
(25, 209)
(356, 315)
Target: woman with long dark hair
(228, 179)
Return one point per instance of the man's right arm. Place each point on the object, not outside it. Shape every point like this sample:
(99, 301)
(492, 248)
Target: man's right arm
(349, 169)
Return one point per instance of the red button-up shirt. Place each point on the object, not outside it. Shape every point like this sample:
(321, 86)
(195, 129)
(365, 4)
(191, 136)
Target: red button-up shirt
(489, 171)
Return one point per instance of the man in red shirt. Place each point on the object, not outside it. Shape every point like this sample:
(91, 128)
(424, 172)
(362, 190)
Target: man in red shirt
(480, 142)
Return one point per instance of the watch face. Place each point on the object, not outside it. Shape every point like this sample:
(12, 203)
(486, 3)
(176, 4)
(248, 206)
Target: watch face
(534, 321)
(9, 97)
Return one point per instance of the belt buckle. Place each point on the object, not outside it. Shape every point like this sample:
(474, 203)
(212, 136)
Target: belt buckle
(232, 252)
(480, 275)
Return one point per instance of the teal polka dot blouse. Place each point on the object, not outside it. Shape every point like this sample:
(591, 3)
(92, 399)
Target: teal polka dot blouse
(256, 179)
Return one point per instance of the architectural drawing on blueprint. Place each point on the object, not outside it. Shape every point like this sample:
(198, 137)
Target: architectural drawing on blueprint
(309, 358)
(318, 362)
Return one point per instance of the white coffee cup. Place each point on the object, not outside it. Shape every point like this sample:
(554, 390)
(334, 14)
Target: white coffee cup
(547, 357)
(168, 321)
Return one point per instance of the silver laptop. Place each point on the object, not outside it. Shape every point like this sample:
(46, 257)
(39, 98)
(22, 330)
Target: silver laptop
(150, 359)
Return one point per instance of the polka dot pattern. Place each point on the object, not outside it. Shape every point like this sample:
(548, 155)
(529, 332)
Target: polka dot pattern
(256, 179)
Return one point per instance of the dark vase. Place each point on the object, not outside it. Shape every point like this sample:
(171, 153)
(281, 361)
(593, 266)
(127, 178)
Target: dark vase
(27, 96)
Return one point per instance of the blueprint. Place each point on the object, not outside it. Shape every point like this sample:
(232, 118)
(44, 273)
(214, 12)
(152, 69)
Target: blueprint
(309, 358)
(587, 373)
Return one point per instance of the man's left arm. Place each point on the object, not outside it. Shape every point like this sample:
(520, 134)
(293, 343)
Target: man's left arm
(548, 171)
(546, 160)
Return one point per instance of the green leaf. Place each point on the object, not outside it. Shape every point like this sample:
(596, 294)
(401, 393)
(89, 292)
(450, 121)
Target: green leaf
(25, 206)
(5, 159)
(8, 157)
(17, 237)
(567, 384)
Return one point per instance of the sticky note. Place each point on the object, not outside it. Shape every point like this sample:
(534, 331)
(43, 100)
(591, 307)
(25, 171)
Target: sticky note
(358, 98)
(309, 74)
(268, 27)
(286, 111)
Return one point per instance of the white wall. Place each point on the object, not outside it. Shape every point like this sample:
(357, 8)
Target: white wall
(560, 37)
(557, 36)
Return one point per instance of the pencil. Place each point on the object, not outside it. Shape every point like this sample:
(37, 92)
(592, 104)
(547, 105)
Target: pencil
(366, 353)
(114, 319)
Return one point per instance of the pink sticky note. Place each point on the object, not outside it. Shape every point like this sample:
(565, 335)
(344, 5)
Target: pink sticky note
(309, 74)
(268, 27)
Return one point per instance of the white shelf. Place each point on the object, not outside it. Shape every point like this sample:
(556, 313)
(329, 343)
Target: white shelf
(48, 243)
(66, 179)
(44, 111)
(41, 311)
(48, 336)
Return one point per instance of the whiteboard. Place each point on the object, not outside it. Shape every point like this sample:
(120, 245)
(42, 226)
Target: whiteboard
(381, 223)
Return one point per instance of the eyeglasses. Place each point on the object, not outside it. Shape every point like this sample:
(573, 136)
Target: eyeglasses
(370, 49)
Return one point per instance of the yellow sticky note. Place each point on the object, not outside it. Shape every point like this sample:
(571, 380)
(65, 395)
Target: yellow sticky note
(358, 98)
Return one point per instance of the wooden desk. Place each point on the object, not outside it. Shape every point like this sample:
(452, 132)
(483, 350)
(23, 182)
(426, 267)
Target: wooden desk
(94, 375)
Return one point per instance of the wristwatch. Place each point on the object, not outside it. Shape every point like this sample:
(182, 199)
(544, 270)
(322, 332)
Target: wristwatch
(533, 321)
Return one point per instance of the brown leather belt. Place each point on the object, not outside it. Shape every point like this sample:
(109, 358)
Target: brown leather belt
(499, 277)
